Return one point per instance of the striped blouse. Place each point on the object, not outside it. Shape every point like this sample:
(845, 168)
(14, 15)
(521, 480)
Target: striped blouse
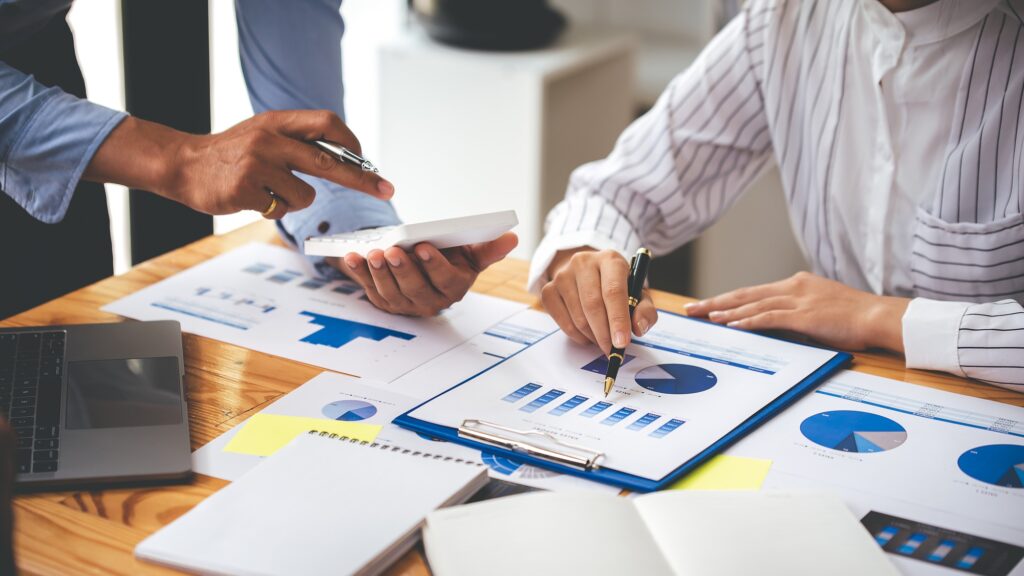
(900, 141)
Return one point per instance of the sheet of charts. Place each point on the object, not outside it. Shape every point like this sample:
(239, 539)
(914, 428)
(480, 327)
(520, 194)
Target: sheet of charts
(683, 386)
(271, 299)
(938, 478)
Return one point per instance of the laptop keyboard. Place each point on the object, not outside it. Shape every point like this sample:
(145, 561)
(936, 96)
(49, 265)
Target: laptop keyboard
(31, 376)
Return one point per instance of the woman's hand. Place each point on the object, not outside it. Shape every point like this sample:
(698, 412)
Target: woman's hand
(825, 310)
(236, 169)
(588, 297)
(425, 281)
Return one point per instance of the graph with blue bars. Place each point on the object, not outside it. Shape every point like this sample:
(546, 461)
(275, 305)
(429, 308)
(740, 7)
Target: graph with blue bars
(676, 379)
(535, 398)
(542, 400)
(996, 464)
(337, 332)
(853, 431)
(568, 405)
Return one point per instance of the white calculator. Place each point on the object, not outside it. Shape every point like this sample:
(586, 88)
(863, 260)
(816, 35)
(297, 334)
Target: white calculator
(440, 233)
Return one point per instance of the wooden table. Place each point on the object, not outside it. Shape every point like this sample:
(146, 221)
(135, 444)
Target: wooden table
(94, 532)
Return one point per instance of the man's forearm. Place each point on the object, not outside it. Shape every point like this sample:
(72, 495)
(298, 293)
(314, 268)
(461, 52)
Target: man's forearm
(137, 154)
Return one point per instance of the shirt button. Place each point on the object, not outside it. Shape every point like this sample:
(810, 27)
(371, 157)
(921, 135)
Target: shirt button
(323, 227)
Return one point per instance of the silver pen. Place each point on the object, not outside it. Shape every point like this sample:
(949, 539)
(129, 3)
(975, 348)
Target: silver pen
(342, 154)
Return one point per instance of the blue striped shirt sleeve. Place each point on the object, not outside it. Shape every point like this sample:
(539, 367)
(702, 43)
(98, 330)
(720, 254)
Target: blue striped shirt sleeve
(47, 138)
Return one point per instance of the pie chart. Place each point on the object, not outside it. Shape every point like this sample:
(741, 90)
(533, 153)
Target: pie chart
(349, 410)
(676, 379)
(853, 431)
(998, 464)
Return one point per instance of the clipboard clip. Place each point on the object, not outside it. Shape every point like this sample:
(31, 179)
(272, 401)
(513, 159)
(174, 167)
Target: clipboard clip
(531, 442)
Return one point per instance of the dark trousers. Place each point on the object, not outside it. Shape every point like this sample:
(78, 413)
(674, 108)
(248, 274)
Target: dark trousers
(39, 262)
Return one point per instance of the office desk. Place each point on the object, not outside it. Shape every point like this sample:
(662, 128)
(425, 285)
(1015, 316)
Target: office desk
(75, 532)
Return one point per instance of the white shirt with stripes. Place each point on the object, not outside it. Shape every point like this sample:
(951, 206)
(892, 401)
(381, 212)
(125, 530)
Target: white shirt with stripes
(900, 141)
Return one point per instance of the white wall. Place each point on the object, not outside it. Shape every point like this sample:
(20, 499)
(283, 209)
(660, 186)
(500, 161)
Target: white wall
(97, 28)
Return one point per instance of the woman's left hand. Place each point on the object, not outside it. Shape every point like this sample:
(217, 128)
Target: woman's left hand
(825, 310)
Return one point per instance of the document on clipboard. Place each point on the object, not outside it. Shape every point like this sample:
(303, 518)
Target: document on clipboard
(686, 389)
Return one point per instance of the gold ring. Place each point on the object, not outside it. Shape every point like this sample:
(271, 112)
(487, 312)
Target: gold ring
(633, 301)
(613, 355)
(270, 209)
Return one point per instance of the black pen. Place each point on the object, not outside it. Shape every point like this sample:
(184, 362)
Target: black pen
(637, 277)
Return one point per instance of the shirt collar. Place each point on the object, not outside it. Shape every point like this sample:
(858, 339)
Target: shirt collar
(932, 23)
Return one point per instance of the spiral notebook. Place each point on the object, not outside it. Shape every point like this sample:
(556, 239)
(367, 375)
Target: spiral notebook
(324, 504)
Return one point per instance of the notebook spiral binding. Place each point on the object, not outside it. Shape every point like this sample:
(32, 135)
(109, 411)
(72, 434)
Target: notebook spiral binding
(393, 448)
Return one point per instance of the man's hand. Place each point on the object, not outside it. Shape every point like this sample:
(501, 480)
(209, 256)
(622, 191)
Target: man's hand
(588, 297)
(425, 281)
(236, 169)
(825, 310)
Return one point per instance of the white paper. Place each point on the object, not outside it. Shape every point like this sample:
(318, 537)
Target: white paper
(683, 386)
(481, 352)
(330, 395)
(921, 470)
(684, 533)
(271, 299)
(317, 506)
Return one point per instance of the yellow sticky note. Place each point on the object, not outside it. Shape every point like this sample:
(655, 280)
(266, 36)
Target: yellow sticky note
(724, 472)
(264, 434)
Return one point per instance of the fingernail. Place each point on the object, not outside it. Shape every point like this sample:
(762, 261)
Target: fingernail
(386, 188)
(619, 339)
(394, 261)
(716, 314)
(351, 264)
(735, 324)
(377, 262)
(424, 254)
(642, 325)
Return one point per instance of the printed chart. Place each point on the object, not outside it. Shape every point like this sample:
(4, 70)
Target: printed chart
(555, 403)
(996, 464)
(676, 379)
(853, 431)
(272, 300)
(349, 410)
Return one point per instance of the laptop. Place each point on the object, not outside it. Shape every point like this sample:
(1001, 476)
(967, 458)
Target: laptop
(95, 403)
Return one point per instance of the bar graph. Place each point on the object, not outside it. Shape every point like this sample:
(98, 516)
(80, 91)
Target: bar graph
(541, 401)
(596, 409)
(618, 416)
(942, 546)
(522, 392)
(667, 428)
(643, 421)
(568, 405)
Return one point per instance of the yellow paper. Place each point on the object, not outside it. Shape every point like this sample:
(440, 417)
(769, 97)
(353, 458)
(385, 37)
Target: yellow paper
(264, 434)
(725, 472)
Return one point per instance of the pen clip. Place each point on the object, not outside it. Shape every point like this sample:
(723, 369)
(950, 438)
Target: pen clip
(565, 453)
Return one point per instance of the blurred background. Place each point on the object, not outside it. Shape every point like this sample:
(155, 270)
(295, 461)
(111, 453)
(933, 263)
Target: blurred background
(461, 130)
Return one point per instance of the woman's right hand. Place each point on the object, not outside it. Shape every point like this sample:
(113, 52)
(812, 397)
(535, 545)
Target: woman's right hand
(587, 295)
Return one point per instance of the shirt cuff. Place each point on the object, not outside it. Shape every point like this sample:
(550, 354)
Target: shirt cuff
(552, 244)
(931, 329)
(335, 210)
(46, 161)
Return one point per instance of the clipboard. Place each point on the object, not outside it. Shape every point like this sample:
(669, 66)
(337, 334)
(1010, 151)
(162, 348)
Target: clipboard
(540, 449)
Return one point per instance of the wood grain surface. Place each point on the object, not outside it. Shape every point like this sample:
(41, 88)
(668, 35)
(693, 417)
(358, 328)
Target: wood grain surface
(94, 532)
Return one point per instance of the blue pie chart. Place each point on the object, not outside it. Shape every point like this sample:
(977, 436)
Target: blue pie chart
(997, 464)
(853, 431)
(676, 379)
(349, 410)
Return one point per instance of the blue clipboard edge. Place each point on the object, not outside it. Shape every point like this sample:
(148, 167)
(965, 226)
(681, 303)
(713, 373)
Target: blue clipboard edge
(622, 479)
